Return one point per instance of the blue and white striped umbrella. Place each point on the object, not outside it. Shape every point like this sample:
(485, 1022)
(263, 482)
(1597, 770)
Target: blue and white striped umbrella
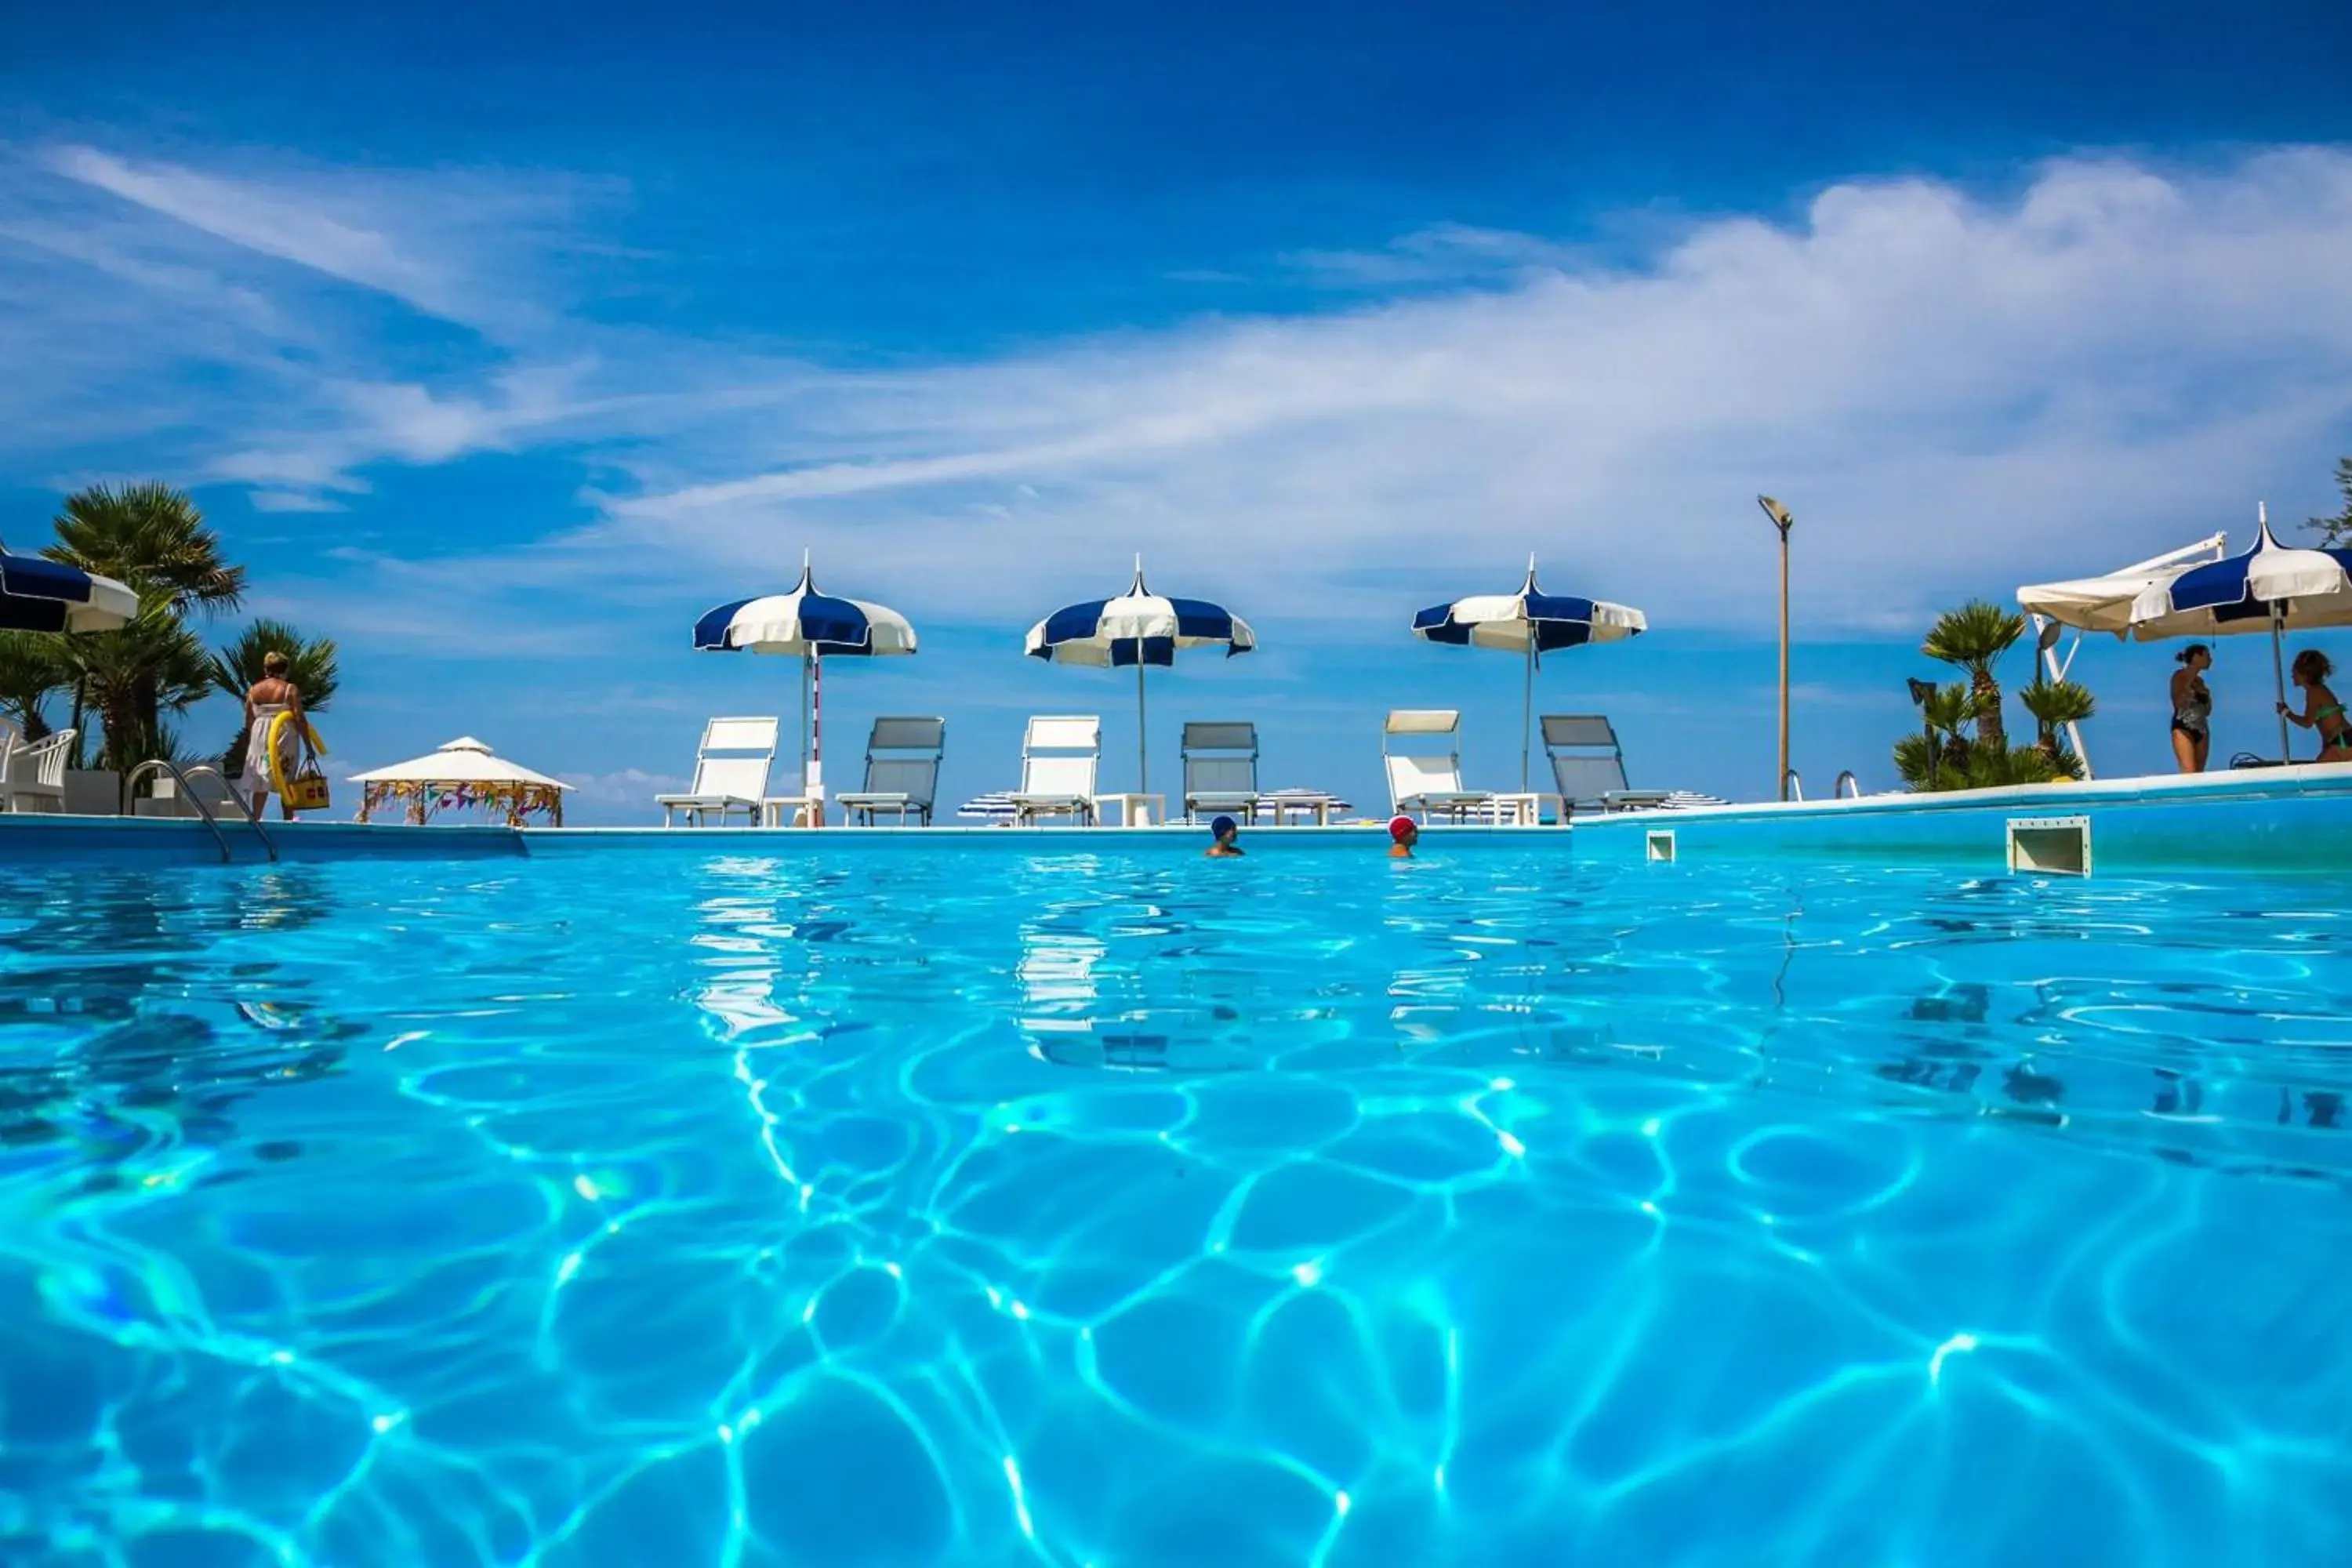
(2268, 588)
(1139, 628)
(814, 626)
(1531, 623)
(37, 595)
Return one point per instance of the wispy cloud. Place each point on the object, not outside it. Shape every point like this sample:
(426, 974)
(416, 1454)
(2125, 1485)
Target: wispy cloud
(1446, 253)
(631, 787)
(1953, 391)
(273, 223)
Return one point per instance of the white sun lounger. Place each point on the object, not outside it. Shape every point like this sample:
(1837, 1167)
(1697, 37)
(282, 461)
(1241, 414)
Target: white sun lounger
(1588, 765)
(902, 770)
(1219, 768)
(731, 774)
(1058, 759)
(1422, 747)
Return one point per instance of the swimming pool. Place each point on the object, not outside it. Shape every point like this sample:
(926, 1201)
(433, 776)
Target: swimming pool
(1079, 1204)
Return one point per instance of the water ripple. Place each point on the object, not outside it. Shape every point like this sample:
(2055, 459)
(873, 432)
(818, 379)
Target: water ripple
(1083, 1207)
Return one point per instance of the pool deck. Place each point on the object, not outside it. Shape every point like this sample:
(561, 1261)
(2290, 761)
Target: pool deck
(2296, 819)
(2272, 820)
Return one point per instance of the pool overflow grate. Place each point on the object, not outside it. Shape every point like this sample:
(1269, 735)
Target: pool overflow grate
(2049, 844)
(1662, 844)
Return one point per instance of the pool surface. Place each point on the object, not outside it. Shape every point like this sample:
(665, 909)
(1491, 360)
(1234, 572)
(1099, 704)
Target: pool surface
(1077, 1205)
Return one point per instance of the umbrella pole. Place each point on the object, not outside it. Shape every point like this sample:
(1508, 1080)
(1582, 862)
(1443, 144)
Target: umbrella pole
(1143, 730)
(804, 722)
(1527, 710)
(2278, 677)
(813, 783)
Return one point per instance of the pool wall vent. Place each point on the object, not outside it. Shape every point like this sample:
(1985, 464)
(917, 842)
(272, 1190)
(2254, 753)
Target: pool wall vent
(1661, 843)
(2059, 845)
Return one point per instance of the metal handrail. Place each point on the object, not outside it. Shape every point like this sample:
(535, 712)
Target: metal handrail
(165, 765)
(244, 807)
(1845, 777)
(1796, 784)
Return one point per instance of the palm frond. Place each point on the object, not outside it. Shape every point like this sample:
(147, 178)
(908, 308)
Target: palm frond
(238, 664)
(33, 669)
(2057, 703)
(1973, 636)
(152, 537)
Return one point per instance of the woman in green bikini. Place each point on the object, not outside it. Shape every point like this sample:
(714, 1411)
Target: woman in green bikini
(2321, 710)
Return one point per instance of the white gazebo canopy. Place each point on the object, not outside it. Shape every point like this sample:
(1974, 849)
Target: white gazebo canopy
(464, 761)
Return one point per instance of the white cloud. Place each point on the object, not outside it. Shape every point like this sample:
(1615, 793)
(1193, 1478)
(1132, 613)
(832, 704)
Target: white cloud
(627, 786)
(1947, 390)
(1953, 392)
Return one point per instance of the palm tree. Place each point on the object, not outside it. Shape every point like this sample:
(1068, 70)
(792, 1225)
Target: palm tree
(33, 668)
(152, 538)
(1947, 712)
(134, 676)
(1938, 758)
(1973, 637)
(239, 665)
(2055, 703)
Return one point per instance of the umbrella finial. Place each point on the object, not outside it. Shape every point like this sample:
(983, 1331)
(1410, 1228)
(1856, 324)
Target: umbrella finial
(1139, 572)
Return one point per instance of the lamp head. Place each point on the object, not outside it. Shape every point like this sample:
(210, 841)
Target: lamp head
(1921, 691)
(2047, 638)
(1779, 514)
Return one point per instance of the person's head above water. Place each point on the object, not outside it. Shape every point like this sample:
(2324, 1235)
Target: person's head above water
(1222, 834)
(1403, 833)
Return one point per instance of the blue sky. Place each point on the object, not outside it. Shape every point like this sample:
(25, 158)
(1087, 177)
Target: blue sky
(502, 346)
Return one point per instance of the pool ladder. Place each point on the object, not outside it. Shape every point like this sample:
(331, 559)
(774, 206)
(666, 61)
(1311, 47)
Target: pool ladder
(1847, 785)
(184, 780)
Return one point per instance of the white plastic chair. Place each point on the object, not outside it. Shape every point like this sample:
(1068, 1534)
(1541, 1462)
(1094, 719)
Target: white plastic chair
(1422, 748)
(33, 778)
(1059, 755)
(902, 770)
(731, 774)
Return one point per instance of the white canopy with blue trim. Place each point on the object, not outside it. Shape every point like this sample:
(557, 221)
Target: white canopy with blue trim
(37, 595)
(1532, 622)
(1139, 628)
(2268, 588)
(812, 626)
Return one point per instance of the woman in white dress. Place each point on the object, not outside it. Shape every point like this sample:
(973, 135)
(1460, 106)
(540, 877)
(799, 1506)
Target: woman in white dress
(265, 700)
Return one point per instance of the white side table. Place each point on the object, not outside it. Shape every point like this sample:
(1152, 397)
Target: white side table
(1136, 809)
(1319, 807)
(1522, 810)
(791, 811)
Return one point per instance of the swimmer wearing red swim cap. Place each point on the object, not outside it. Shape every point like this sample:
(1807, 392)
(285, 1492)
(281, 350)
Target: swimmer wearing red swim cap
(1403, 834)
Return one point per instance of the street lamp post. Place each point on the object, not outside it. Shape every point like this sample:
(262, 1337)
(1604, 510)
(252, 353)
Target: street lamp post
(1783, 521)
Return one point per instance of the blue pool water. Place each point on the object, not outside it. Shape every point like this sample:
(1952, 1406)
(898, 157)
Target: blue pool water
(1091, 1207)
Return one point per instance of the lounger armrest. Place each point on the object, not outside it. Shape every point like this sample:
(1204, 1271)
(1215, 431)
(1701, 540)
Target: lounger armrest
(747, 802)
(1633, 799)
(1224, 797)
(876, 797)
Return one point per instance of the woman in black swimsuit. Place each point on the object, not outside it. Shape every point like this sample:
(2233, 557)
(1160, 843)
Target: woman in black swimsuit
(2192, 708)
